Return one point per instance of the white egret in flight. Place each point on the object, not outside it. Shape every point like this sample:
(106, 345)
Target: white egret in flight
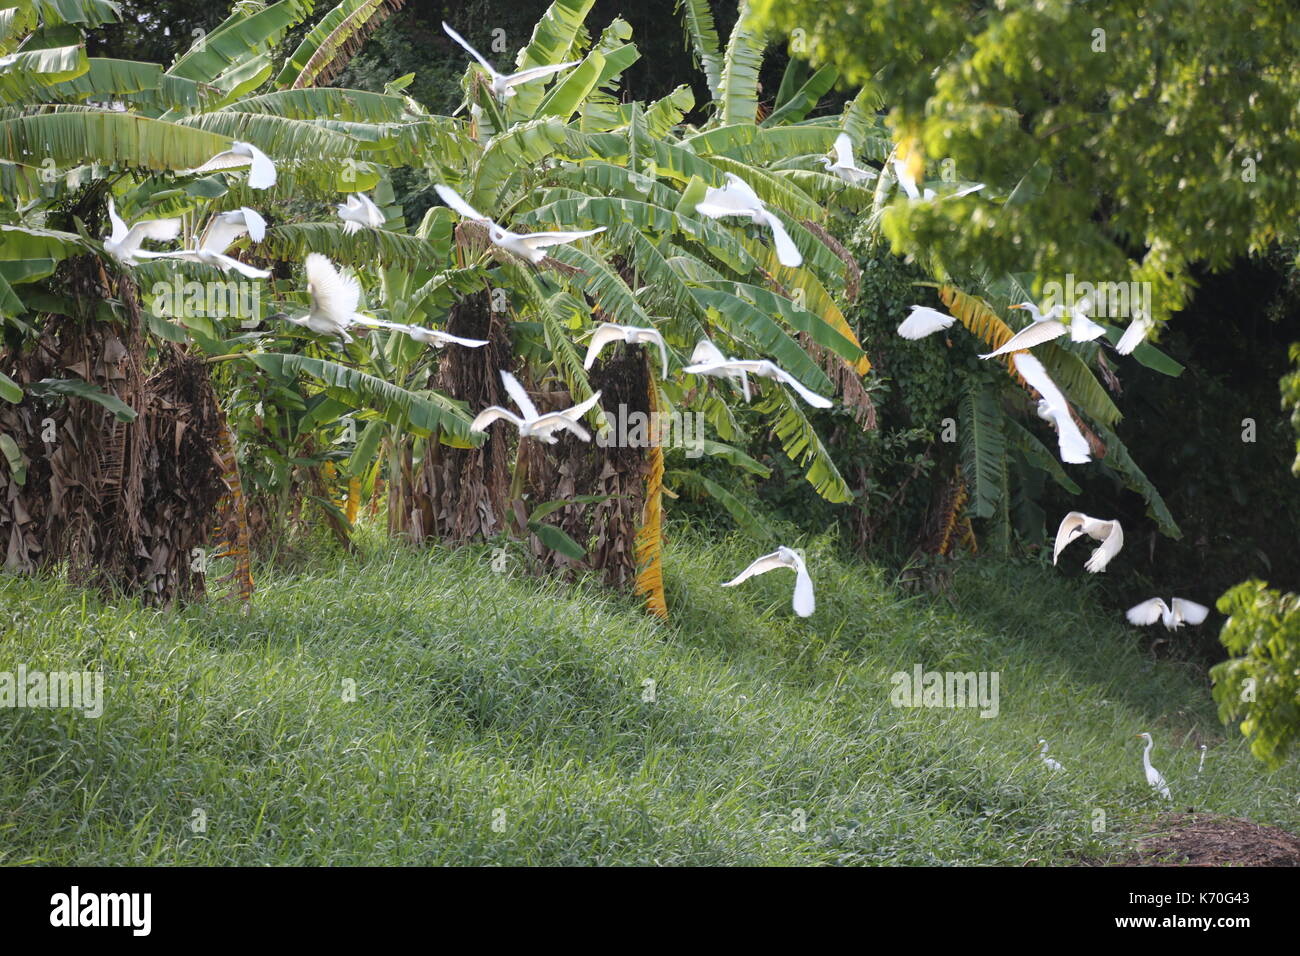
(923, 321)
(1048, 761)
(707, 359)
(123, 243)
(804, 603)
(1052, 407)
(1076, 524)
(909, 186)
(503, 85)
(261, 175)
(358, 213)
(533, 424)
(1154, 777)
(334, 300)
(1044, 328)
(223, 229)
(844, 166)
(737, 199)
(432, 337)
(527, 245)
(608, 332)
(1173, 615)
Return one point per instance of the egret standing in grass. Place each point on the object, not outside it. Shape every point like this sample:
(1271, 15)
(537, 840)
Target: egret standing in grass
(1201, 766)
(1154, 777)
(803, 603)
(1047, 761)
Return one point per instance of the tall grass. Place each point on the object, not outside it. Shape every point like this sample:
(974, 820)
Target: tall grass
(501, 718)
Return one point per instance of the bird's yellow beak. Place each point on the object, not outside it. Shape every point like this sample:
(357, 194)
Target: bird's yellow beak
(1015, 307)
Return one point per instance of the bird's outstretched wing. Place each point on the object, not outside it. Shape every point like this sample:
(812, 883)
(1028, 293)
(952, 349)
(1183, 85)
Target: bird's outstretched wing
(787, 253)
(844, 151)
(224, 228)
(1083, 329)
(162, 230)
(458, 205)
(229, 262)
(1146, 613)
(262, 173)
(607, 332)
(804, 601)
(552, 422)
(727, 201)
(117, 225)
(808, 395)
(653, 336)
(445, 337)
(471, 51)
(491, 414)
(1110, 546)
(1070, 528)
(768, 562)
(1189, 611)
(1034, 334)
(577, 411)
(332, 294)
(518, 395)
(923, 321)
(543, 240)
(535, 73)
(905, 179)
(1072, 445)
(1135, 334)
(706, 353)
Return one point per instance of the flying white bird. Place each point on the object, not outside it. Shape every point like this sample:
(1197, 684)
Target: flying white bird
(123, 243)
(533, 424)
(923, 321)
(843, 166)
(783, 557)
(909, 186)
(1154, 777)
(608, 332)
(1135, 334)
(432, 337)
(526, 245)
(260, 176)
(334, 300)
(503, 85)
(223, 229)
(1109, 533)
(1173, 615)
(1048, 761)
(359, 213)
(737, 199)
(1052, 407)
(1044, 328)
(708, 360)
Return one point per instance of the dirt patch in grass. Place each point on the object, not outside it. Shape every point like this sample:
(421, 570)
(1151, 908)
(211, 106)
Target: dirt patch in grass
(1203, 839)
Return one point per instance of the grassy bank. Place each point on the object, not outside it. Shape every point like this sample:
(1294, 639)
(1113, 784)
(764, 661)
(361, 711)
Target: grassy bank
(501, 718)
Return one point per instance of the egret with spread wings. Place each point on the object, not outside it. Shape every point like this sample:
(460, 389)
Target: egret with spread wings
(804, 602)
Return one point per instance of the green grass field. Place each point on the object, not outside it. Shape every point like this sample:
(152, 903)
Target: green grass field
(502, 719)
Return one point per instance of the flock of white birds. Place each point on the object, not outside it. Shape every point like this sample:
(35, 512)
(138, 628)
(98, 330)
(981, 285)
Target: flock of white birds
(335, 297)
